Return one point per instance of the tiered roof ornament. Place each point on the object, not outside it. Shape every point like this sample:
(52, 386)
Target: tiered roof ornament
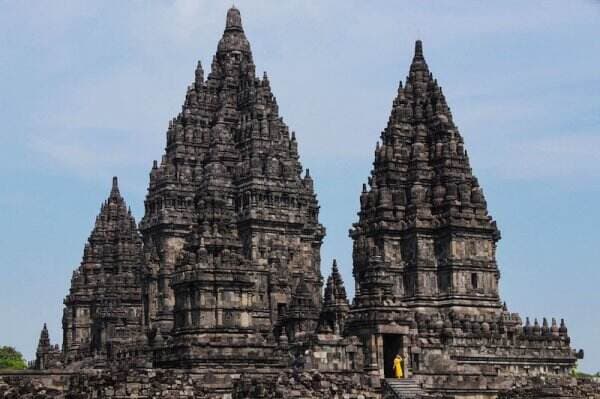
(335, 292)
(335, 304)
(47, 355)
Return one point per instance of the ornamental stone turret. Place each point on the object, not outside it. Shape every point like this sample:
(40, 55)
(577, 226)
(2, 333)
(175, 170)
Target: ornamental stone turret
(335, 304)
(47, 355)
(303, 314)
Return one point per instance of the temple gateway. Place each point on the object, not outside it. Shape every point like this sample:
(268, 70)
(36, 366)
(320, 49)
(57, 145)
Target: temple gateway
(221, 281)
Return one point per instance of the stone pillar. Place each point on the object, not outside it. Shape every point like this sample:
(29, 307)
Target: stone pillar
(380, 356)
(406, 355)
(373, 368)
(373, 353)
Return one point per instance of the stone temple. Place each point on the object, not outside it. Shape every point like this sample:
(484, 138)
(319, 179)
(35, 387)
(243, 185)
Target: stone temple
(220, 284)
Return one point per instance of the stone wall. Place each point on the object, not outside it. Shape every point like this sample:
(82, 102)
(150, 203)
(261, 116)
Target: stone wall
(542, 388)
(38, 385)
(159, 383)
(310, 384)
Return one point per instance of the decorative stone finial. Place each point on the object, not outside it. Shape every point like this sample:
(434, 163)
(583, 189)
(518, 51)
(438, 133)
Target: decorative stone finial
(418, 49)
(199, 73)
(44, 341)
(114, 191)
(545, 327)
(418, 64)
(234, 20)
(563, 327)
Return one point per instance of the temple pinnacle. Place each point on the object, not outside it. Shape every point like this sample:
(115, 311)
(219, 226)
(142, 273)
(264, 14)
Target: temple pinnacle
(234, 20)
(233, 38)
(114, 192)
(418, 62)
(418, 49)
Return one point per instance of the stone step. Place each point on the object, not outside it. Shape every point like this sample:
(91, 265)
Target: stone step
(404, 384)
(404, 388)
(407, 393)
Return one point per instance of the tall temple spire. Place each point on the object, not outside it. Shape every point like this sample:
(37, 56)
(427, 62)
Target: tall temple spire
(44, 341)
(424, 251)
(105, 293)
(227, 202)
(46, 355)
(422, 180)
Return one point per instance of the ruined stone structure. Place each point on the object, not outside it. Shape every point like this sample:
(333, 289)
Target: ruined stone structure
(334, 311)
(103, 308)
(222, 282)
(169, 383)
(47, 356)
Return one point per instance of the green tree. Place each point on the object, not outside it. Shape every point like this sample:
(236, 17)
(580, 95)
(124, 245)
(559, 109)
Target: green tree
(10, 358)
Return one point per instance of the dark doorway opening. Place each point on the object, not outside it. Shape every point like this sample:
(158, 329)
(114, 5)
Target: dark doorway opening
(392, 345)
(474, 282)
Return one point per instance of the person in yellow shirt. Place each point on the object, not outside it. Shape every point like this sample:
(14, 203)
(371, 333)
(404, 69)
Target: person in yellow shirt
(398, 372)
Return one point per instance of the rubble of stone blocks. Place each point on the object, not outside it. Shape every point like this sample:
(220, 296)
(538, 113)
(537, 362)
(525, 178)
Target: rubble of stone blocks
(307, 384)
(554, 388)
(184, 384)
(101, 384)
(32, 387)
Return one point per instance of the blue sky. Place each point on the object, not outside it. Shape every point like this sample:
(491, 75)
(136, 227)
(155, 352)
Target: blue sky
(87, 90)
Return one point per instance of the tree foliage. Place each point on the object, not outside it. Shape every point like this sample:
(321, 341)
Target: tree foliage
(580, 374)
(10, 358)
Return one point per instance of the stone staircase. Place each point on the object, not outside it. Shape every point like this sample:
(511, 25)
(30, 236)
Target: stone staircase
(401, 388)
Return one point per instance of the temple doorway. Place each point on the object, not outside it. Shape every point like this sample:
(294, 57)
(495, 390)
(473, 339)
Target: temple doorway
(392, 345)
